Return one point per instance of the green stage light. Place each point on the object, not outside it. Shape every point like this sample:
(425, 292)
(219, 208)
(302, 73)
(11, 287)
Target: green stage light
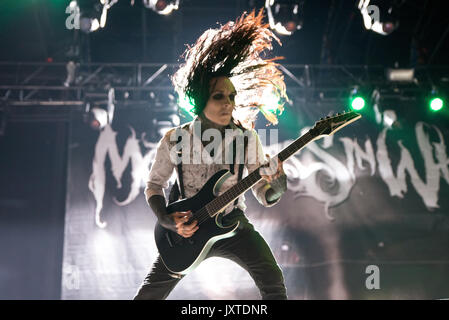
(436, 104)
(357, 103)
(186, 105)
(270, 101)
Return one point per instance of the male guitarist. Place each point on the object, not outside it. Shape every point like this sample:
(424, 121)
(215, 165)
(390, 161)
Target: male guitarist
(230, 51)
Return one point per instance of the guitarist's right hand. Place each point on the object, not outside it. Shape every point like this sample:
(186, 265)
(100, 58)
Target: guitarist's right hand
(183, 229)
(175, 221)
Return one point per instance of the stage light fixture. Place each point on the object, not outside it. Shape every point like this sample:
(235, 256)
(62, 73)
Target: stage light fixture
(436, 104)
(358, 103)
(99, 114)
(400, 75)
(90, 14)
(356, 100)
(435, 100)
(163, 7)
(285, 17)
(96, 118)
(93, 14)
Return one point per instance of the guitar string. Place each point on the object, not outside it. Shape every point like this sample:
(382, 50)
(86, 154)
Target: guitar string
(203, 215)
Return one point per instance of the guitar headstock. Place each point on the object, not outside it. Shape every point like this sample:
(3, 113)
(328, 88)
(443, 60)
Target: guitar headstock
(329, 125)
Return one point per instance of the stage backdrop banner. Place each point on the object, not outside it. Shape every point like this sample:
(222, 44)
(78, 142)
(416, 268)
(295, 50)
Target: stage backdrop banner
(366, 214)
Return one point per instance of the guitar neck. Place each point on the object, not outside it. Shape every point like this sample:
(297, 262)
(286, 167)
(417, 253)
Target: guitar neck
(295, 146)
(251, 179)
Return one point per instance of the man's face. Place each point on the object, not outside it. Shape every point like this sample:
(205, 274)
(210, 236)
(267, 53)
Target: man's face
(221, 101)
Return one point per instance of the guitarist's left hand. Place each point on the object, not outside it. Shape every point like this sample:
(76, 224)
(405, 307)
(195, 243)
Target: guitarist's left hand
(272, 166)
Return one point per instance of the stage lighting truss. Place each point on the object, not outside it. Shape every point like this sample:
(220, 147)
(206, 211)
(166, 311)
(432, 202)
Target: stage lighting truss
(163, 7)
(285, 18)
(376, 18)
(65, 85)
(164, 122)
(166, 112)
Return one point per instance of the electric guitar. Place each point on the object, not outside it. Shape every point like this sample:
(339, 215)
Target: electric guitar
(181, 255)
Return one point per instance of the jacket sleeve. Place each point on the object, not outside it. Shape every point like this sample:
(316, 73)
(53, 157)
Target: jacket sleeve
(161, 169)
(255, 158)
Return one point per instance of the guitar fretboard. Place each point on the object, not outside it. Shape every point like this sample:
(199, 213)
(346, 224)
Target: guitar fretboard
(251, 179)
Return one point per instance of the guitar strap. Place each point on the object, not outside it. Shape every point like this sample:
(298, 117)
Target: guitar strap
(177, 191)
(241, 165)
(181, 184)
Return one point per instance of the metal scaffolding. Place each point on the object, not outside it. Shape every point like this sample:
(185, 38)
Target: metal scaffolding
(68, 84)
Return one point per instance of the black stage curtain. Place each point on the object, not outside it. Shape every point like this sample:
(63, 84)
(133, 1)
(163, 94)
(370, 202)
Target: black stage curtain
(33, 163)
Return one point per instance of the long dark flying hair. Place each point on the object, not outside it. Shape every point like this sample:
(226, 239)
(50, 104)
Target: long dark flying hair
(235, 50)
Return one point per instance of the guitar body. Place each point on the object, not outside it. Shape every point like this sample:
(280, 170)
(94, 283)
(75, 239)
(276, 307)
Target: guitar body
(181, 255)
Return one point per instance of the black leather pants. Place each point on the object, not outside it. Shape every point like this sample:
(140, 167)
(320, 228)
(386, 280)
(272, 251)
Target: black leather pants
(247, 248)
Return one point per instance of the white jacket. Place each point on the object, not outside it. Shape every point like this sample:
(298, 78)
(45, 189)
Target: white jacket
(198, 166)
